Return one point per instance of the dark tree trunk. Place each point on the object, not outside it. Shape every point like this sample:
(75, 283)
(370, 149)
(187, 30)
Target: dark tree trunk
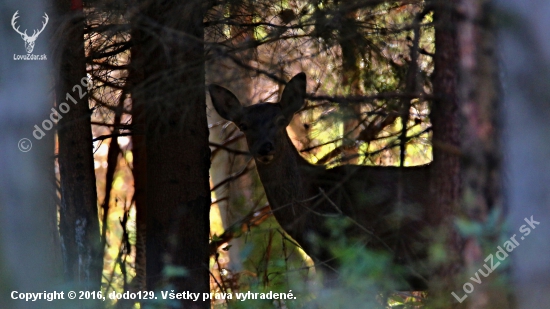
(139, 166)
(445, 180)
(79, 226)
(178, 156)
(351, 81)
(481, 163)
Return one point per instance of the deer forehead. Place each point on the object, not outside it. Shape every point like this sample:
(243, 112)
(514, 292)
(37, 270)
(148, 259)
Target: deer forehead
(262, 114)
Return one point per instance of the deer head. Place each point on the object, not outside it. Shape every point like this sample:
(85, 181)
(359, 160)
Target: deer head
(29, 40)
(264, 124)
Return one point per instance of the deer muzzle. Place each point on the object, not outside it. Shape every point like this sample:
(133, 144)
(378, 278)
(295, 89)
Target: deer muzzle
(265, 153)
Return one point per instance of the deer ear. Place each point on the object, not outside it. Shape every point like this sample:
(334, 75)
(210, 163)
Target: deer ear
(225, 103)
(294, 95)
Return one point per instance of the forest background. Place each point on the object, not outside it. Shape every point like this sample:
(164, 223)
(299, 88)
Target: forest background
(402, 83)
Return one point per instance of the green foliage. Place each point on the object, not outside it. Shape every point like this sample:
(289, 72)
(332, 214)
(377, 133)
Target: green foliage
(367, 279)
(174, 271)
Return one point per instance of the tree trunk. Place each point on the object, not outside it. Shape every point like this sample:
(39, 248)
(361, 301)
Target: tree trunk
(79, 226)
(351, 81)
(178, 156)
(139, 153)
(445, 180)
(480, 150)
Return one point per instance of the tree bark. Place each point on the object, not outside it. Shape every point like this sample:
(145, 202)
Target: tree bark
(445, 179)
(178, 156)
(79, 226)
(139, 153)
(481, 161)
(351, 81)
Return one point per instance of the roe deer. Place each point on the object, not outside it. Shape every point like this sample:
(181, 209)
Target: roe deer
(386, 204)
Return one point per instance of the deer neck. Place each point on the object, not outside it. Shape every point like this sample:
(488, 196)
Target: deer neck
(285, 182)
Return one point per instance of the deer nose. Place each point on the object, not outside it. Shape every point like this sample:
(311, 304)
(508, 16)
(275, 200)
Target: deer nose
(265, 149)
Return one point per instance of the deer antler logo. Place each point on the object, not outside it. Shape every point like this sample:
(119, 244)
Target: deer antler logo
(29, 40)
